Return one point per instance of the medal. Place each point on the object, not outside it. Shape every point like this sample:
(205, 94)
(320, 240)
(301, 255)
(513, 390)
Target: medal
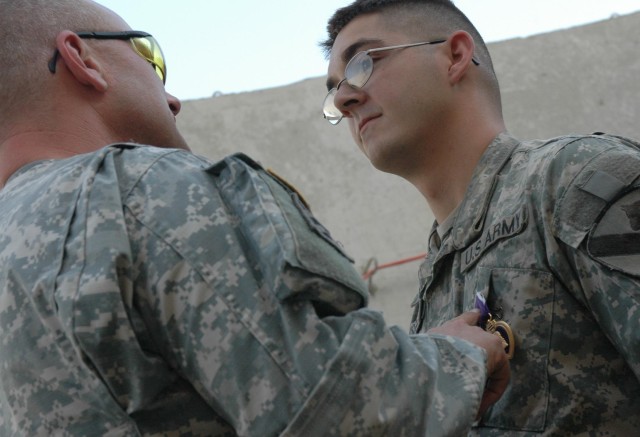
(496, 327)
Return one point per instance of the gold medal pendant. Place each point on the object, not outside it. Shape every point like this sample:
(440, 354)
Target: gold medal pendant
(496, 327)
(502, 330)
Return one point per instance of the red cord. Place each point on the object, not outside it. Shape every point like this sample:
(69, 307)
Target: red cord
(369, 273)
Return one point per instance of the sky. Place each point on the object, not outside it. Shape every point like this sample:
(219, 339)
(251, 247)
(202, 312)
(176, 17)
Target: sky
(222, 47)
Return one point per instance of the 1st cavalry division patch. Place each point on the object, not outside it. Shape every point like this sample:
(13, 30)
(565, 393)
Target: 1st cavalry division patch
(615, 240)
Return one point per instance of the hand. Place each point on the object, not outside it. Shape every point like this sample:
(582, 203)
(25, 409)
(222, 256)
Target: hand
(498, 371)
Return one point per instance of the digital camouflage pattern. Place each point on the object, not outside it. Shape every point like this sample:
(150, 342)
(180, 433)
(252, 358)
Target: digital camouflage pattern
(146, 291)
(539, 234)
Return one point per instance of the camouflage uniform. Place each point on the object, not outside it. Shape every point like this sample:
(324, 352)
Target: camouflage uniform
(548, 233)
(145, 291)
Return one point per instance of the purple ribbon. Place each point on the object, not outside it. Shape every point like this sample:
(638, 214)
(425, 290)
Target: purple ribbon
(481, 304)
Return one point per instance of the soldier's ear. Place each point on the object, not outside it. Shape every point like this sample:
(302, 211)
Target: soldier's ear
(81, 60)
(461, 51)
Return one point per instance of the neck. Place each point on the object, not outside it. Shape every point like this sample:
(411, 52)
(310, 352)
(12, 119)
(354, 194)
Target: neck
(21, 148)
(62, 124)
(446, 172)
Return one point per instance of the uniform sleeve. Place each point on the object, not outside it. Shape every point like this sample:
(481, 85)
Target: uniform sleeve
(598, 218)
(613, 297)
(252, 303)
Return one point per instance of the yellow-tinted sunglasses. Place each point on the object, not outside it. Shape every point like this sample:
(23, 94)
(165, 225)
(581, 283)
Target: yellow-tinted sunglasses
(143, 43)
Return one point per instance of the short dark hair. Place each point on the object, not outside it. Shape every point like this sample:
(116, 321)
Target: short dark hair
(445, 14)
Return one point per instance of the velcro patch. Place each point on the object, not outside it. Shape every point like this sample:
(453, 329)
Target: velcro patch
(615, 240)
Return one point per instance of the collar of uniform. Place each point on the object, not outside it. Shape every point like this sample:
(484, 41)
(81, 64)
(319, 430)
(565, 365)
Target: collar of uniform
(26, 168)
(470, 220)
(446, 226)
(440, 231)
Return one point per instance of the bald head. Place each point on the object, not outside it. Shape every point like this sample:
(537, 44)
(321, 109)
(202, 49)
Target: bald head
(101, 91)
(28, 30)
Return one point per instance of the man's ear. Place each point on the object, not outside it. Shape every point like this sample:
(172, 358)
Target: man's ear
(462, 51)
(80, 61)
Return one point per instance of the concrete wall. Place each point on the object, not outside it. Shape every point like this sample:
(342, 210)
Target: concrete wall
(579, 80)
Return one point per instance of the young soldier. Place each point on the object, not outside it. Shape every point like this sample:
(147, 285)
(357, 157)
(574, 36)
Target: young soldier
(543, 235)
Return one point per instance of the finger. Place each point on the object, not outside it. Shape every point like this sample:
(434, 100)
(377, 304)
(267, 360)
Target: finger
(470, 317)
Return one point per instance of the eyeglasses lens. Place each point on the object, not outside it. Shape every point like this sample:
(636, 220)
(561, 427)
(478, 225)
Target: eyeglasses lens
(331, 113)
(149, 49)
(359, 69)
(357, 73)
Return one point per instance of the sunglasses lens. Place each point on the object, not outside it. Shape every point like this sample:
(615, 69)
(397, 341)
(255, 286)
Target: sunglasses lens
(331, 113)
(358, 70)
(149, 49)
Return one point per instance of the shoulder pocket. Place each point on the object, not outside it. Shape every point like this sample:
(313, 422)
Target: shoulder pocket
(296, 253)
(610, 172)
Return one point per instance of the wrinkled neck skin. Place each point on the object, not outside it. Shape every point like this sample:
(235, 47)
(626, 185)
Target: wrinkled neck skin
(26, 142)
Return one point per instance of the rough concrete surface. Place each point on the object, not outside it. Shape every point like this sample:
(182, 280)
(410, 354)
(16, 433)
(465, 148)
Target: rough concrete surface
(580, 80)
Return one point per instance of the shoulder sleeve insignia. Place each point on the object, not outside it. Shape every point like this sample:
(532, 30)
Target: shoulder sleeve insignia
(615, 239)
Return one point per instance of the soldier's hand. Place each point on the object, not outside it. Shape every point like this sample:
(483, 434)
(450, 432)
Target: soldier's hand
(498, 371)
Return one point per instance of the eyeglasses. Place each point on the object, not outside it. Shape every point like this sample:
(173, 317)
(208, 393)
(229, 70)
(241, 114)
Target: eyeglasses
(357, 73)
(143, 44)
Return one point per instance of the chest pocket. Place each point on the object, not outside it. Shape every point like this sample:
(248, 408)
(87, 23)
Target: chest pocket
(524, 299)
